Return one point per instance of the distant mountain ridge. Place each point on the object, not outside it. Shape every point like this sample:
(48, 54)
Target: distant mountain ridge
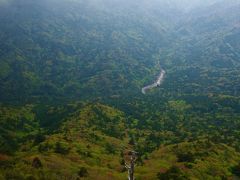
(61, 48)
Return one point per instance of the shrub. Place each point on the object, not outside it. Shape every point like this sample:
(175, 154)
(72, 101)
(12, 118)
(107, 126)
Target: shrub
(236, 170)
(110, 148)
(36, 163)
(62, 148)
(83, 172)
(185, 157)
(174, 173)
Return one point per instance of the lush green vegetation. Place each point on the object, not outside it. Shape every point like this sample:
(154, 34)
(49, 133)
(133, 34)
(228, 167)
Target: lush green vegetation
(84, 146)
(71, 73)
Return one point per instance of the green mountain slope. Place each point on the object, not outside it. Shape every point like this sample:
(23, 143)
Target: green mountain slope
(64, 49)
(71, 74)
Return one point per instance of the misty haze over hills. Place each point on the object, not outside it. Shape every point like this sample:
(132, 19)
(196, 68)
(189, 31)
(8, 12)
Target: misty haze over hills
(72, 96)
(141, 31)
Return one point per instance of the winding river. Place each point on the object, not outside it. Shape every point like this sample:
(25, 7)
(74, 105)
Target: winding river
(157, 83)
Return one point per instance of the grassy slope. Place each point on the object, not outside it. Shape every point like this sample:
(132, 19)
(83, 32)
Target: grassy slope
(210, 161)
(83, 144)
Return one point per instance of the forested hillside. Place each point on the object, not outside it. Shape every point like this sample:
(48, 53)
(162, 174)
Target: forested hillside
(71, 79)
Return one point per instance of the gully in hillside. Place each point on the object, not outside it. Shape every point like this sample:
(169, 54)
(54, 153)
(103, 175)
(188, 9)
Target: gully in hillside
(157, 83)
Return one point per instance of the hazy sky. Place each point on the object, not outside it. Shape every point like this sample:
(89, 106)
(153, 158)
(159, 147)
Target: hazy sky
(175, 4)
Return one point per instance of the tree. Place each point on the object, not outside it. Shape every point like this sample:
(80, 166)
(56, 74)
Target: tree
(131, 166)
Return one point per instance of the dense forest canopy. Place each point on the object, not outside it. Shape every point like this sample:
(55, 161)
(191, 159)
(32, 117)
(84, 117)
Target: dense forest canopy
(71, 79)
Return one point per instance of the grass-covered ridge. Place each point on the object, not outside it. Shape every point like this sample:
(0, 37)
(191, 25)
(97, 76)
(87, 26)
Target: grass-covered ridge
(84, 146)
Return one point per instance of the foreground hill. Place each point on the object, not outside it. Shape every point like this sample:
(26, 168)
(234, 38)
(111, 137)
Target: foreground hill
(91, 139)
(93, 142)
